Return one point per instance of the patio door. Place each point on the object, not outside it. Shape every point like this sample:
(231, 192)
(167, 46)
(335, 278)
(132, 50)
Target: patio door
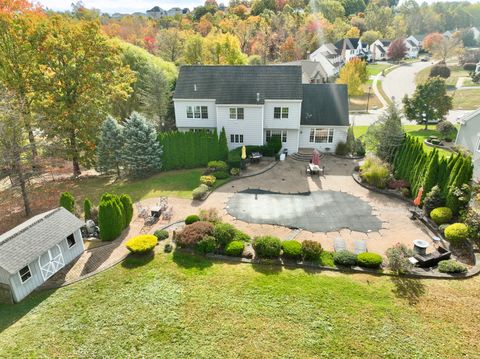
(51, 262)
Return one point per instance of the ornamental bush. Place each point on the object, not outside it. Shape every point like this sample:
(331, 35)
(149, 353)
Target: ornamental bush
(375, 172)
(292, 249)
(451, 266)
(161, 234)
(440, 70)
(433, 200)
(207, 244)
(441, 215)
(224, 233)
(311, 250)
(267, 247)
(143, 243)
(341, 149)
(209, 215)
(192, 219)
(221, 175)
(200, 192)
(87, 209)
(208, 180)
(235, 171)
(67, 201)
(398, 258)
(193, 233)
(241, 236)
(344, 258)
(234, 248)
(217, 166)
(456, 233)
(127, 208)
(369, 260)
(110, 218)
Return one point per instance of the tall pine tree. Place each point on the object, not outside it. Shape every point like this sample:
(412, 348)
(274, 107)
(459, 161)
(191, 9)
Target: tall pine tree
(109, 147)
(223, 146)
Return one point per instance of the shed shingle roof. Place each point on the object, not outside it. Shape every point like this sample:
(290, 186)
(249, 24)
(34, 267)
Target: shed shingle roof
(239, 84)
(26, 242)
(325, 105)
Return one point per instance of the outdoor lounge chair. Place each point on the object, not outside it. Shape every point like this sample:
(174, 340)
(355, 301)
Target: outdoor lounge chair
(360, 246)
(339, 244)
(432, 259)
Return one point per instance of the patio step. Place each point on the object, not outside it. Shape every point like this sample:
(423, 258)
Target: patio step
(304, 157)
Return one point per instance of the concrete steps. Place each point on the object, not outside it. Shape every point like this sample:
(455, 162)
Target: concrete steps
(304, 157)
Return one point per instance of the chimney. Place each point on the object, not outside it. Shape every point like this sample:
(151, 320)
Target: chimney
(195, 87)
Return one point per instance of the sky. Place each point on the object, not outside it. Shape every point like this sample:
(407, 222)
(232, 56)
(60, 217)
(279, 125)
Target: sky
(129, 6)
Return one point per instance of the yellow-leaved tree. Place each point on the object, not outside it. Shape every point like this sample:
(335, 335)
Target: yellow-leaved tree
(354, 75)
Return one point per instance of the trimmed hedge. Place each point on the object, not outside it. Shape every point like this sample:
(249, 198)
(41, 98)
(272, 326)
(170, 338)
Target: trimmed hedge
(234, 248)
(208, 180)
(192, 219)
(451, 266)
(292, 249)
(221, 175)
(224, 233)
(111, 219)
(369, 260)
(67, 201)
(311, 250)
(127, 208)
(456, 233)
(143, 243)
(217, 166)
(161, 234)
(267, 247)
(87, 209)
(193, 233)
(345, 258)
(241, 236)
(441, 215)
(199, 192)
(207, 244)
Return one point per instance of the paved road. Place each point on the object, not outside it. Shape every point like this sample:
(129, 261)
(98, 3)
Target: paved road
(366, 119)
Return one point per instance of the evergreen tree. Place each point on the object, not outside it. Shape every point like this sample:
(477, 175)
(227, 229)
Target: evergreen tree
(87, 209)
(127, 208)
(351, 140)
(67, 201)
(109, 147)
(431, 174)
(223, 146)
(443, 177)
(142, 151)
(110, 219)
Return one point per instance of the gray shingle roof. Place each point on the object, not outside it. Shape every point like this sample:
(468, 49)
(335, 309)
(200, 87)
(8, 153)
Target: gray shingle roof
(239, 84)
(309, 68)
(325, 105)
(26, 242)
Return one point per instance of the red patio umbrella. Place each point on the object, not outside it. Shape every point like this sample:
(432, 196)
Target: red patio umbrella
(316, 157)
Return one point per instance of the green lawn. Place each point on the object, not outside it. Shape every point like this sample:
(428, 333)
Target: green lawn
(466, 99)
(179, 306)
(375, 69)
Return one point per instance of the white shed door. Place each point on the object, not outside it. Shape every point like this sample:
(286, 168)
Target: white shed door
(51, 262)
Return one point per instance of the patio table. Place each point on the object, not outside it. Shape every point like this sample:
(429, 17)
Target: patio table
(314, 168)
(255, 157)
(156, 211)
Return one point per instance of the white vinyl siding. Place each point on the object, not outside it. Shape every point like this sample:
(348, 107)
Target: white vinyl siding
(469, 137)
(339, 135)
(188, 114)
(290, 110)
(251, 127)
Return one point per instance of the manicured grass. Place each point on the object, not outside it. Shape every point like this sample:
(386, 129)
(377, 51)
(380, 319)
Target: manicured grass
(180, 306)
(469, 82)
(359, 103)
(455, 72)
(466, 99)
(375, 69)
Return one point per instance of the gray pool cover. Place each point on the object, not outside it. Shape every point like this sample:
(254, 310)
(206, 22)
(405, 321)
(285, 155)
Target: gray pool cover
(323, 211)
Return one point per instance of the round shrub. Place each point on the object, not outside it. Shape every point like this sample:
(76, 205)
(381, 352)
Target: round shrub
(345, 258)
(168, 248)
(217, 166)
(221, 175)
(456, 233)
(292, 249)
(87, 209)
(451, 266)
(67, 201)
(234, 248)
(235, 171)
(161, 234)
(311, 250)
(110, 219)
(224, 233)
(143, 243)
(241, 236)
(342, 149)
(208, 180)
(192, 219)
(207, 244)
(267, 247)
(440, 70)
(200, 192)
(441, 215)
(369, 260)
(193, 233)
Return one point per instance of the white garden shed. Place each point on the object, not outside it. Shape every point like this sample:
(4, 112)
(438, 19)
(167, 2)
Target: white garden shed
(35, 250)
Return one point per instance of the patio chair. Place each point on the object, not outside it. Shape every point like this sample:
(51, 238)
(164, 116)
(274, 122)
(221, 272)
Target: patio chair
(360, 246)
(167, 215)
(339, 244)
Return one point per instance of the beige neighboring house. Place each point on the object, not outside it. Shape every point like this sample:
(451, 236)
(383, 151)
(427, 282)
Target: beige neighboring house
(312, 71)
(469, 137)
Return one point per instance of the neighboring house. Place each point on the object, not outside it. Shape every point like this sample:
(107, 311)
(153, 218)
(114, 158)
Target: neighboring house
(476, 33)
(477, 69)
(353, 47)
(253, 103)
(417, 39)
(412, 49)
(329, 57)
(447, 34)
(379, 49)
(174, 11)
(469, 137)
(312, 71)
(156, 12)
(35, 250)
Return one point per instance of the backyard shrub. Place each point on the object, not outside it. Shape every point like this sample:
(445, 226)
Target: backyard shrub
(114, 198)
(311, 250)
(234, 248)
(161, 234)
(110, 218)
(199, 192)
(442, 228)
(208, 180)
(440, 70)
(87, 209)
(456, 233)
(143, 243)
(235, 171)
(209, 215)
(360, 148)
(192, 219)
(441, 215)
(193, 233)
(398, 258)
(67, 201)
(207, 244)
(292, 249)
(217, 166)
(470, 66)
(267, 247)
(451, 266)
(375, 172)
(127, 208)
(447, 130)
(168, 248)
(369, 260)
(342, 149)
(224, 233)
(345, 258)
(221, 174)
(433, 200)
(241, 236)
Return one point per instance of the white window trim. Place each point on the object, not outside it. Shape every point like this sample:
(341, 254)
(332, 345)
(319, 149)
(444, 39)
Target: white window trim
(328, 129)
(281, 113)
(282, 132)
(20, 277)
(478, 143)
(236, 114)
(74, 239)
(50, 257)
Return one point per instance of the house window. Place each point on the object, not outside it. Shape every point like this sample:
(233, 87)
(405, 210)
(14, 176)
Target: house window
(71, 241)
(189, 112)
(204, 112)
(197, 112)
(280, 112)
(25, 274)
(236, 113)
(281, 133)
(321, 135)
(236, 138)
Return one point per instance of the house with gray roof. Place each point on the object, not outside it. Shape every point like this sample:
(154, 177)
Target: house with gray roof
(35, 250)
(254, 103)
(312, 71)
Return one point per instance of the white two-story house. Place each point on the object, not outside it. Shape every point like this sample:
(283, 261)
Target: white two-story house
(253, 103)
